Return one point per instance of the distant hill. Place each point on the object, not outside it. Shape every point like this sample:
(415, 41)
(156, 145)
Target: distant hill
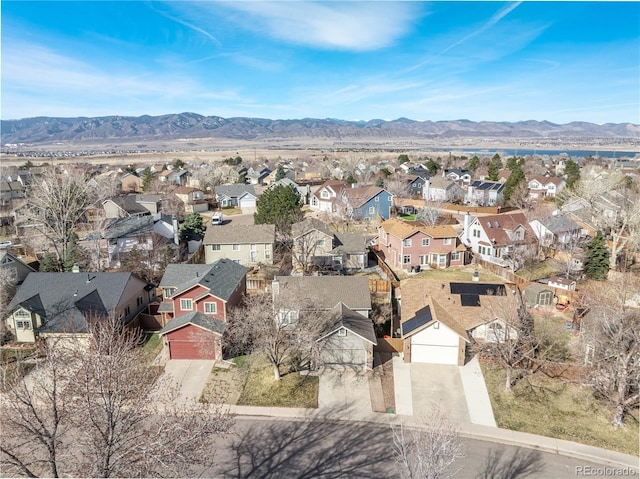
(192, 125)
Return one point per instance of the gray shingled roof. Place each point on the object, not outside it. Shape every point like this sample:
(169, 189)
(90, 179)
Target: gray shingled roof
(351, 243)
(196, 318)
(234, 191)
(343, 317)
(128, 226)
(240, 234)
(63, 298)
(559, 224)
(308, 224)
(221, 278)
(325, 292)
(129, 204)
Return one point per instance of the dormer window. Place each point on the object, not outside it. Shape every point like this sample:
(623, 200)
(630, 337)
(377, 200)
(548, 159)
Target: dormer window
(324, 194)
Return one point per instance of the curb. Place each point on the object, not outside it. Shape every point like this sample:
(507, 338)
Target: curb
(471, 431)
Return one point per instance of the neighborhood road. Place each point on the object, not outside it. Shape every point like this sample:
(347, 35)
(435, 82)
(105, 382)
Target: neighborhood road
(324, 448)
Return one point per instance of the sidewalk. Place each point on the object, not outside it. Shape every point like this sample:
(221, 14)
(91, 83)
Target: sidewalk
(475, 391)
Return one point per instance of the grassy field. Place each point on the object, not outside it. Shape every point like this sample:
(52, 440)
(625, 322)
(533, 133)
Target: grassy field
(558, 409)
(251, 383)
(151, 347)
(540, 270)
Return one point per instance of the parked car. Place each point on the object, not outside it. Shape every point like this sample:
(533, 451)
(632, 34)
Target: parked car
(5, 244)
(216, 219)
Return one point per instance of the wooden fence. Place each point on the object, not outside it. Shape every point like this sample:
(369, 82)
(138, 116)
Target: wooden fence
(379, 286)
(389, 345)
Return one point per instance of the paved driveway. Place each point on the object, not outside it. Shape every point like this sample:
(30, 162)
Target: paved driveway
(344, 392)
(190, 375)
(439, 384)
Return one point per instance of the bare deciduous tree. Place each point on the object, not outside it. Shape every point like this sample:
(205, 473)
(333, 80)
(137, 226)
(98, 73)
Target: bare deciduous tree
(430, 213)
(282, 329)
(428, 450)
(99, 411)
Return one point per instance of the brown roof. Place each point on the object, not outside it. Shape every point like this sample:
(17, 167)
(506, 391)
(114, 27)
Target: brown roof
(359, 196)
(501, 224)
(185, 190)
(418, 293)
(403, 229)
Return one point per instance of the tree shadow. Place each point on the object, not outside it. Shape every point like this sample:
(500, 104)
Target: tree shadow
(316, 447)
(519, 465)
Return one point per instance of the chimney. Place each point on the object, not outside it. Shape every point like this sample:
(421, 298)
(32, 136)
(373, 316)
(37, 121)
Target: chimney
(275, 287)
(75, 268)
(467, 225)
(176, 237)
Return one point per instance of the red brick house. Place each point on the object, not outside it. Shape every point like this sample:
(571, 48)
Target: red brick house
(411, 244)
(196, 302)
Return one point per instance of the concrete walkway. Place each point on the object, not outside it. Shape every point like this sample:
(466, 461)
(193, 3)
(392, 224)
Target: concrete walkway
(476, 394)
(402, 386)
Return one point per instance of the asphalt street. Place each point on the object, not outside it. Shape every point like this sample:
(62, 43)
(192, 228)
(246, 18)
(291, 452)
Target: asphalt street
(275, 448)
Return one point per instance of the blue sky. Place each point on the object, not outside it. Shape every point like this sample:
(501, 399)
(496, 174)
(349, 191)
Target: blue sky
(493, 61)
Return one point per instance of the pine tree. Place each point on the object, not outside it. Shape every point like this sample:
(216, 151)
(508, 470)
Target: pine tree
(596, 264)
(280, 173)
(193, 228)
(493, 170)
(280, 206)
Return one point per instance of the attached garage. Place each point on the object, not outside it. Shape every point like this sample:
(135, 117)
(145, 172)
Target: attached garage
(434, 354)
(194, 336)
(247, 202)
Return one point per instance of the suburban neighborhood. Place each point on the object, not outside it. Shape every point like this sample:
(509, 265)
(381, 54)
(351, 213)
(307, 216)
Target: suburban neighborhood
(382, 288)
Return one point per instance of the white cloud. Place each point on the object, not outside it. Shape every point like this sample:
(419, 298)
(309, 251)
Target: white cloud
(359, 26)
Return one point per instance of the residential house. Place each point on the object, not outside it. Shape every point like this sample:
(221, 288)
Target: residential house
(558, 230)
(58, 305)
(365, 203)
(137, 232)
(192, 199)
(562, 282)
(257, 176)
(130, 183)
(131, 205)
(326, 196)
(415, 185)
(197, 300)
(316, 247)
(439, 319)
(440, 188)
(244, 244)
(237, 196)
(459, 175)
(505, 240)
(270, 179)
(412, 245)
(14, 270)
(174, 177)
(544, 186)
(350, 336)
(484, 193)
(304, 191)
(11, 190)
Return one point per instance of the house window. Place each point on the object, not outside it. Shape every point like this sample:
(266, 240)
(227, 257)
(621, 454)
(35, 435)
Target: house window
(23, 324)
(443, 259)
(324, 194)
(320, 242)
(127, 311)
(210, 308)
(236, 247)
(21, 313)
(168, 292)
(424, 259)
(372, 210)
(455, 256)
(186, 304)
(406, 243)
(6, 260)
(342, 332)
(446, 241)
(288, 317)
(476, 233)
(215, 247)
(406, 259)
(426, 241)
(139, 301)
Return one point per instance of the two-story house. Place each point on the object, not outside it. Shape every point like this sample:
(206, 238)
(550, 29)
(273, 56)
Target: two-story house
(485, 193)
(544, 186)
(192, 199)
(365, 203)
(58, 305)
(131, 205)
(457, 175)
(441, 188)
(556, 230)
(326, 196)
(505, 240)
(412, 245)
(244, 244)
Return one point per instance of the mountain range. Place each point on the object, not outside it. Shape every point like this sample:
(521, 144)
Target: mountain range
(192, 125)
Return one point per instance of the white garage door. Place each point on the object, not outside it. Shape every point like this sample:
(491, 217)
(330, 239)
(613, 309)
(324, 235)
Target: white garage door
(423, 353)
(344, 357)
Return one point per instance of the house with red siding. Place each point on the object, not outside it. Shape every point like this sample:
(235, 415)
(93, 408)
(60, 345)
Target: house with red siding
(412, 245)
(197, 299)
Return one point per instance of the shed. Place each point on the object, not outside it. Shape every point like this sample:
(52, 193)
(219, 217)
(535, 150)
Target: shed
(537, 294)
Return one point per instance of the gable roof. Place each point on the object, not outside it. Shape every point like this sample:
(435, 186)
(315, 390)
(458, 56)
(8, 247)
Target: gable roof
(351, 243)
(403, 229)
(325, 292)
(358, 197)
(63, 299)
(559, 223)
(129, 204)
(235, 190)
(196, 318)
(429, 315)
(220, 278)
(343, 317)
(485, 185)
(308, 224)
(239, 234)
(441, 182)
(334, 185)
(497, 227)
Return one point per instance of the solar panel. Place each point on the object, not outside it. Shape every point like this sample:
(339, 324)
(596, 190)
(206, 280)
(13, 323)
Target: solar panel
(481, 289)
(470, 300)
(496, 186)
(484, 186)
(423, 316)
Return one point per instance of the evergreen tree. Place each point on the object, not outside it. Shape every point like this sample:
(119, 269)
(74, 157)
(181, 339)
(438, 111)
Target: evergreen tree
(403, 159)
(493, 170)
(516, 178)
(596, 264)
(178, 164)
(280, 173)
(192, 228)
(280, 206)
(433, 167)
(572, 172)
(146, 179)
(473, 163)
(380, 182)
